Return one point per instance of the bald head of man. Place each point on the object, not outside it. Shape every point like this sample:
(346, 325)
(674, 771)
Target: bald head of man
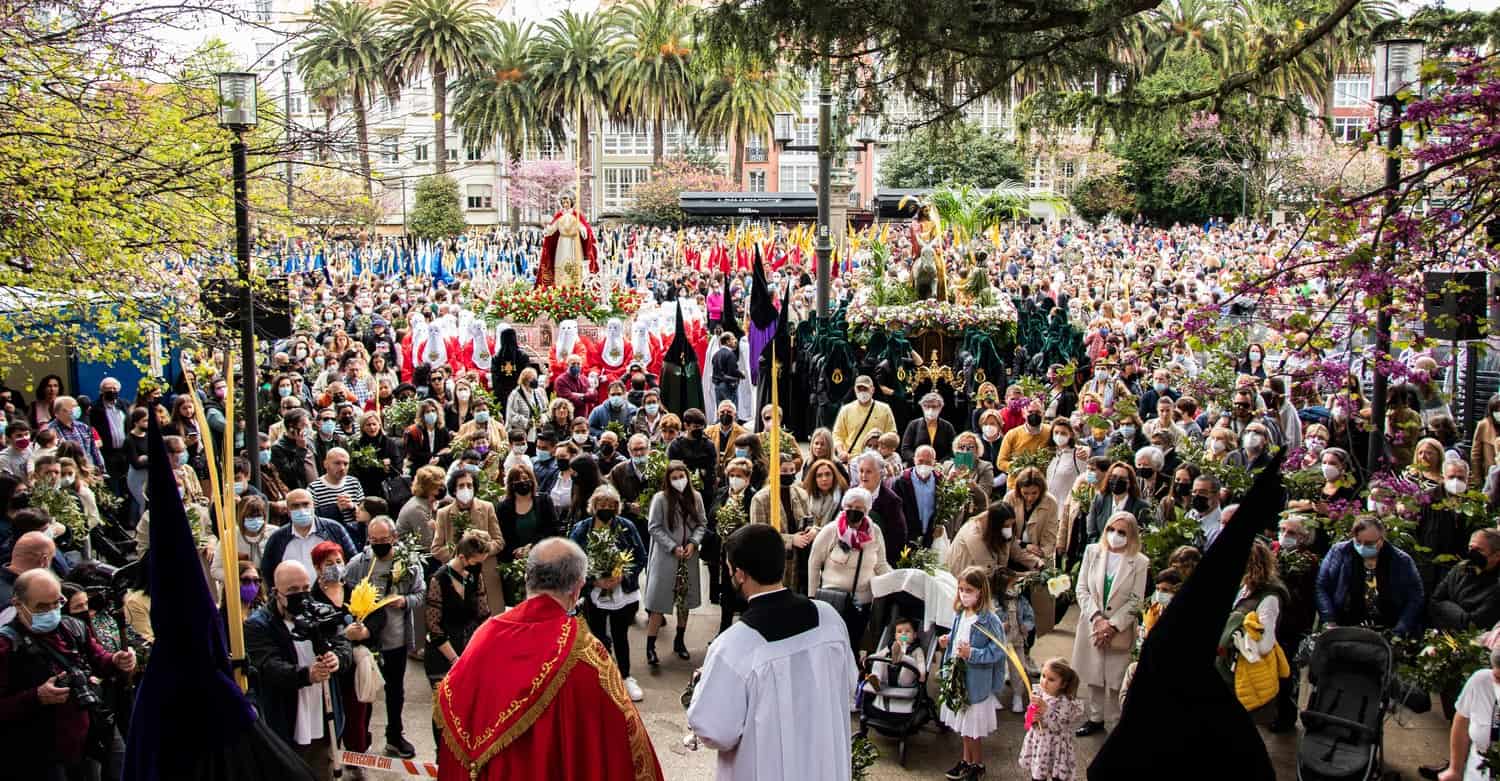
(33, 550)
(556, 567)
(38, 592)
(291, 578)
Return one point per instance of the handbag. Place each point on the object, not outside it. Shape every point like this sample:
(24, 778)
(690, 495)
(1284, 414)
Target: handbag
(367, 678)
(841, 600)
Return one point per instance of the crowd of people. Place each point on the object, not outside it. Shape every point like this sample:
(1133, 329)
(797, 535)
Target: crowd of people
(433, 480)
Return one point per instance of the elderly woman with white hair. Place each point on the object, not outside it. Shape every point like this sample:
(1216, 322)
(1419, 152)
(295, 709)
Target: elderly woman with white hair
(845, 555)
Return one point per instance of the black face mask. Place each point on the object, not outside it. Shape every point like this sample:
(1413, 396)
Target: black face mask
(295, 603)
(1200, 503)
(854, 517)
(1183, 489)
(604, 516)
(606, 450)
(726, 420)
(1477, 560)
(1146, 473)
(381, 549)
(1118, 485)
(521, 489)
(1033, 420)
(532, 383)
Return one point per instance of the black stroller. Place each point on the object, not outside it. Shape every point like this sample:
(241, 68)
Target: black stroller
(895, 711)
(1351, 673)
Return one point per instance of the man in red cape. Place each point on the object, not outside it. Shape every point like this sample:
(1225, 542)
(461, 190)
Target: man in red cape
(546, 269)
(536, 696)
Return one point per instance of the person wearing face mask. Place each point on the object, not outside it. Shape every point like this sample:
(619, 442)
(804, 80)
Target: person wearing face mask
(394, 628)
(887, 670)
(845, 556)
(467, 511)
(1069, 460)
(929, 430)
(526, 407)
(47, 740)
(1368, 581)
(574, 387)
(736, 488)
(617, 410)
(1440, 527)
(1160, 388)
(649, 417)
(1297, 565)
(917, 488)
(983, 541)
(254, 533)
(329, 590)
(797, 646)
(1110, 584)
(612, 601)
(290, 677)
(109, 417)
(456, 604)
(724, 431)
(1486, 435)
(797, 528)
(482, 422)
(1029, 437)
(677, 525)
(1119, 492)
(857, 418)
(296, 540)
(1255, 449)
(426, 440)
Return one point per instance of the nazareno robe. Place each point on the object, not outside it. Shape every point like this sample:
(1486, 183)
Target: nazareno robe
(534, 695)
(775, 692)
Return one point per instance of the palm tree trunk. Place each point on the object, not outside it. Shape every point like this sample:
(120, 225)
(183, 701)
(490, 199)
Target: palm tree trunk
(362, 128)
(738, 164)
(658, 140)
(585, 168)
(513, 157)
(440, 117)
(326, 151)
(1328, 77)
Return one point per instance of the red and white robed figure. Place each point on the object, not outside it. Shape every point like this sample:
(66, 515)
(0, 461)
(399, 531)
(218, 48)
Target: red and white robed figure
(567, 242)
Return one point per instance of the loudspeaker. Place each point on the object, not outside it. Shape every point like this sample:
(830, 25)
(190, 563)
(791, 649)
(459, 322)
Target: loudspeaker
(273, 312)
(1455, 304)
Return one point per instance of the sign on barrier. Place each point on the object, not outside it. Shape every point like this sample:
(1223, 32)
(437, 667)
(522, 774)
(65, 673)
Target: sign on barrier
(405, 767)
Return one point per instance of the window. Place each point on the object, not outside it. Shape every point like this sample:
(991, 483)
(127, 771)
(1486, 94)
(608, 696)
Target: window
(472, 152)
(263, 10)
(450, 150)
(621, 139)
(1348, 129)
(797, 176)
(480, 196)
(1069, 169)
(755, 149)
(389, 149)
(757, 181)
(295, 101)
(1041, 175)
(619, 180)
(807, 132)
(1352, 91)
(422, 153)
(548, 149)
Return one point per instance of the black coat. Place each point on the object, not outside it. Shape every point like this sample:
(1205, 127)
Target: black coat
(916, 435)
(1466, 600)
(278, 677)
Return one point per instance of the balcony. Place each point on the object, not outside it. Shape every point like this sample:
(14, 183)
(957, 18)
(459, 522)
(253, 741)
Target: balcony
(756, 154)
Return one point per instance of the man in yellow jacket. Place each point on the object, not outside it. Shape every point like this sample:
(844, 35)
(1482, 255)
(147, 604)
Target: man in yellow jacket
(861, 416)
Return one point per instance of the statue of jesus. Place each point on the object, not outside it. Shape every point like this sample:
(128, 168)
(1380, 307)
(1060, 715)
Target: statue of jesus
(568, 242)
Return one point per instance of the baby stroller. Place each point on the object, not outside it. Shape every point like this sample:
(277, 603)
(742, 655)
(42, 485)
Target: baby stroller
(1350, 673)
(895, 711)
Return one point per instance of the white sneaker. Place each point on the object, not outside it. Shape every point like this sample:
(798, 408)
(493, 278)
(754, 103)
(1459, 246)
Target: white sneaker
(1017, 703)
(634, 690)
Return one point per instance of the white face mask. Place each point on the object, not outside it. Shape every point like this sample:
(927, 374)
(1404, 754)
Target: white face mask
(1287, 541)
(1216, 445)
(1496, 416)
(464, 495)
(1455, 486)
(968, 599)
(991, 431)
(679, 484)
(1315, 444)
(930, 413)
(1007, 532)
(580, 438)
(735, 483)
(1253, 441)
(1116, 540)
(923, 471)
(1060, 439)
(864, 397)
(1331, 472)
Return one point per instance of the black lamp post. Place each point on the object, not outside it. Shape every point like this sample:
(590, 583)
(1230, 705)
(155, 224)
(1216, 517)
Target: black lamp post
(1397, 70)
(237, 113)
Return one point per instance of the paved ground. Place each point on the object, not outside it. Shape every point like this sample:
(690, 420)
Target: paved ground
(1411, 740)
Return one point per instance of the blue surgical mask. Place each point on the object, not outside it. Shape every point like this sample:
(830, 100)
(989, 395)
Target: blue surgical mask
(430, 418)
(652, 408)
(742, 452)
(265, 457)
(639, 461)
(1092, 478)
(1366, 551)
(327, 427)
(284, 391)
(482, 417)
(46, 621)
(302, 517)
(575, 370)
(182, 458)
(254, 525)
(542, 456)
(1161, 387)
(616, 401)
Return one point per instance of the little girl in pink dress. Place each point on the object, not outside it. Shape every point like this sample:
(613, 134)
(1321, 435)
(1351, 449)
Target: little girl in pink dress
(1047, 752)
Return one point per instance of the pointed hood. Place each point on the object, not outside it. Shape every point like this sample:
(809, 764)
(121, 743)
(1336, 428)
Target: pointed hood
(762, 316)
(729, 321)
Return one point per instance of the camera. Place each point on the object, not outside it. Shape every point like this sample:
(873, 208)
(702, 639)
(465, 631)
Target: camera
(317, 622)
(85, 692)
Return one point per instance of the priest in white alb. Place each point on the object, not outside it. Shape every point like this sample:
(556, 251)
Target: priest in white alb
(775, 690)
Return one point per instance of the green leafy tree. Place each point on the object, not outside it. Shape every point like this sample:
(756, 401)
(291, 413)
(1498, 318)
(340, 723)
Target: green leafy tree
(657, 202)
(346, 36)
(650, 76)
(740, 94)
(573, 60)
(326, 84)
(959, 151)
(503, 100)
(1097, 197)
(446, 37)
(436, 214)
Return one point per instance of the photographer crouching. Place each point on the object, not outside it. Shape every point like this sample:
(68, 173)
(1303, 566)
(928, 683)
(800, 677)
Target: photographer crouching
(294, 648)
(49, 685)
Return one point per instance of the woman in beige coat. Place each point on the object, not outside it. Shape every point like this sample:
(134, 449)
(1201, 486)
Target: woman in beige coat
(1111, 584)
(983, 541)
(481, 515)
(1038, 519)
(798, 527)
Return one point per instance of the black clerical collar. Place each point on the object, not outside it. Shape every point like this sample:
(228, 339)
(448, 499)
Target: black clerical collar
(780, 614)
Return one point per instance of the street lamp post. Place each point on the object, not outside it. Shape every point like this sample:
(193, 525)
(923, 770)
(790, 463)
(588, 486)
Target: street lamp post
(1244, 188)
(825, 174)
(1397, 68)
(286, 80)
(237, 113)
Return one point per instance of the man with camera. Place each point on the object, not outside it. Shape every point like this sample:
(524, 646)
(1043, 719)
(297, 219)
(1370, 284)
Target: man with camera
(48, 695)
(294, 650)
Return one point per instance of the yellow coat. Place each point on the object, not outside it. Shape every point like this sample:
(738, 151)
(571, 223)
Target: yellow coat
(1256, 682)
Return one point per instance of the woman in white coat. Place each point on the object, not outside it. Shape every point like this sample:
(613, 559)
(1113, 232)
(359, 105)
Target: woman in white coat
(527, 406)
(1111, 583)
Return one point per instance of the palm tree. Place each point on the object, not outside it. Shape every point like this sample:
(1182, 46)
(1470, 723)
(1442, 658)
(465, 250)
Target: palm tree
(650, 78)
(345, 35)
(503, 99)
(325, 84)
(573, 69)
(449, 38)
(739, 96)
